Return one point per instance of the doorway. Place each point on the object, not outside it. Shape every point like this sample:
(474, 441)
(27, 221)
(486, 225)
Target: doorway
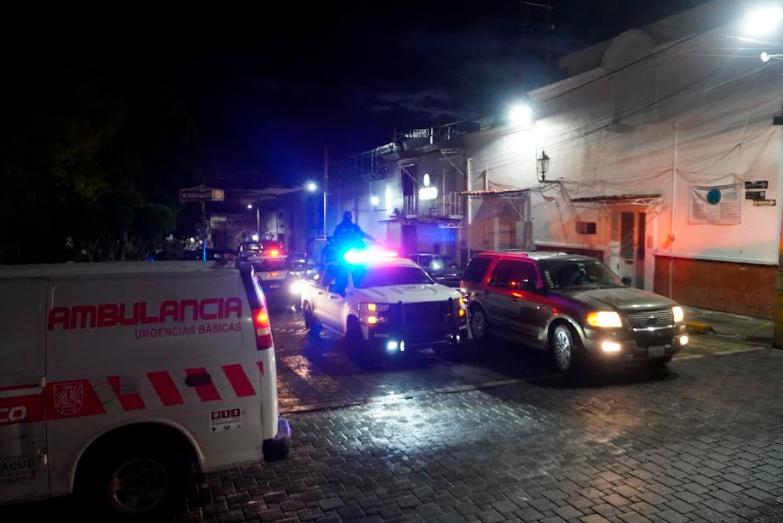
(628, 246)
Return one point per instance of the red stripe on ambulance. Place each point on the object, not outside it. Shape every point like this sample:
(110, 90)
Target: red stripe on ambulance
(205, 391)
(131, 401)
(239, 380)
(165, 388)
(21, 409)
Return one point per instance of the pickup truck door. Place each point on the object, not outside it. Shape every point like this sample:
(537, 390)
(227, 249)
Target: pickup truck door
(330, 298)
(335, 299)
(320, 296)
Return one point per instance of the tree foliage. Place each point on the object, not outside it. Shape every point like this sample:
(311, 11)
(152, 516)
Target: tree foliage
(90, 162)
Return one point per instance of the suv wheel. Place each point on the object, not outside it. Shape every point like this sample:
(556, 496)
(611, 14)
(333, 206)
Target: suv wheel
(479, 325)
(565, 349)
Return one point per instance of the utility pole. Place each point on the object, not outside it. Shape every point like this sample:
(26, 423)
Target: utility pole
(258, 219)
(326, 180)
(778, 339)
(205, 226)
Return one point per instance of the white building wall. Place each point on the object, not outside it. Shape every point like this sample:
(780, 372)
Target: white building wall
(707, 118)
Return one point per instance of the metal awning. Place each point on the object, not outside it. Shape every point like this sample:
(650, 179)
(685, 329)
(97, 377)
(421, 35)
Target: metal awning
(619, 199)
(511, 193)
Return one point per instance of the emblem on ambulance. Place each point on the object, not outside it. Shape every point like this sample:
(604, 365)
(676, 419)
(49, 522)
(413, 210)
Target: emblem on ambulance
(68, 398)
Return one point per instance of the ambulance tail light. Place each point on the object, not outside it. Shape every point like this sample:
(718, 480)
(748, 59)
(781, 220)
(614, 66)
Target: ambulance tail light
(262, 328)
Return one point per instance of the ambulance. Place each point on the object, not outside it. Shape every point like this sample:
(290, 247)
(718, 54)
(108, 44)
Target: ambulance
(123, 381)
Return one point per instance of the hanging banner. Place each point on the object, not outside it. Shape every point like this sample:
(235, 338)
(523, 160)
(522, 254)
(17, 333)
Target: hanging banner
(717, 205)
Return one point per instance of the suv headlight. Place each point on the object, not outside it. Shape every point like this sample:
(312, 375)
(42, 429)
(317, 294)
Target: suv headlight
(604, 319)
(679, 314)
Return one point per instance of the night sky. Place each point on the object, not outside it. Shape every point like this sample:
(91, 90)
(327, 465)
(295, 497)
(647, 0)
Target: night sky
(264, 85)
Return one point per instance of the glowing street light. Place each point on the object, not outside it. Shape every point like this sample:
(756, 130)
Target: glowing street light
(375, 201)
(520, 115)
(249, 206)
(762, 20)
(311, 186)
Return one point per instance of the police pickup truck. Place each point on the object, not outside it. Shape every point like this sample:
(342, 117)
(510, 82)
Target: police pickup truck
(384, 305)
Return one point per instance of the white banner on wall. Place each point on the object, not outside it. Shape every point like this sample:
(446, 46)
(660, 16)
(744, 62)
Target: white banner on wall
(717, 205)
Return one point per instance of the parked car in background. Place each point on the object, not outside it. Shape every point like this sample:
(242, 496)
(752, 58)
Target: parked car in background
(572, 305)
(227, 256)
(443, 269)
(249, 250)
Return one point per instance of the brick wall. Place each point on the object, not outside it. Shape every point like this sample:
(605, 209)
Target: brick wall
(741, 288)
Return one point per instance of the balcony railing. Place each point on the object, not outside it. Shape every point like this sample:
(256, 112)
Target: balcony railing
(444, 206)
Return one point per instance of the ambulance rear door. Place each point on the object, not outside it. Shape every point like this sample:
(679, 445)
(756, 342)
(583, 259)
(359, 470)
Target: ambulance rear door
(24, 473)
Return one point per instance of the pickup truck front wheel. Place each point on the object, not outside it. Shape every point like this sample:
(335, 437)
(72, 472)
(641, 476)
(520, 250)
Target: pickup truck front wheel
(366, 353)
(311, 324)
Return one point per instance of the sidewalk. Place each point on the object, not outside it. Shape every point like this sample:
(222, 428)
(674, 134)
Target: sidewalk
(724, 324)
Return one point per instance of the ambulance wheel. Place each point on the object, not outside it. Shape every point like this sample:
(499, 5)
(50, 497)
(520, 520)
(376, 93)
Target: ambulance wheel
(138, 480)
(311, 324)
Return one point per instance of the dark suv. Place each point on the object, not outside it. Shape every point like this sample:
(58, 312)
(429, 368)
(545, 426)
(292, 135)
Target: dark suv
(573, 305)
(441, 268)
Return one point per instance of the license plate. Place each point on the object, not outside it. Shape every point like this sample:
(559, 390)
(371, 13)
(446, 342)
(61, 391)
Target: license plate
(656, 352)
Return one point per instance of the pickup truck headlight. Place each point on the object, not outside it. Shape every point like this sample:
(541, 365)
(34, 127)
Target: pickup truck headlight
(373, 308)
(372, 313)
(679, 314)
(604, 319)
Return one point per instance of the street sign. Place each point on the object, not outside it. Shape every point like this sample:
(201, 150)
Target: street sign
(755, 195)
(201, 193)
(758, 184)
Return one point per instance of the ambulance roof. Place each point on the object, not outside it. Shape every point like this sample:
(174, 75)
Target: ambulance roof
(111, 269)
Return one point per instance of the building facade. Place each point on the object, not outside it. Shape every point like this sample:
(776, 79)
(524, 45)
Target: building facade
(663, 160)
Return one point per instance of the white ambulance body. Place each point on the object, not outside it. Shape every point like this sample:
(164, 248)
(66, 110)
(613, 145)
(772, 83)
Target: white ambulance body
(113, 369)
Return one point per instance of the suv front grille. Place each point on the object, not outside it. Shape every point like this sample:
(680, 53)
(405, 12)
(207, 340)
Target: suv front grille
(651, 319)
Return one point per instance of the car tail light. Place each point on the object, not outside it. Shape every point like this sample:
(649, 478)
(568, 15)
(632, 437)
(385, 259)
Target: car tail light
(262, 328)
(274, 253)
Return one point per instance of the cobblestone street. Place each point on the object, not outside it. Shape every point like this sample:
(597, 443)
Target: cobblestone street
(501, 439)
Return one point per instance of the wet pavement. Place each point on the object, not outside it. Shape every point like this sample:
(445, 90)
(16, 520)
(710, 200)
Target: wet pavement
(499, 437)
(315, 373)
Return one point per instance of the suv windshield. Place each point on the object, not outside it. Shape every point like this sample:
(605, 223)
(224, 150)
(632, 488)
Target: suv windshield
(576, 274)
(386, 276)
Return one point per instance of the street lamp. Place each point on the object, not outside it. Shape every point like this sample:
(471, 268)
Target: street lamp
(542, 163)
(311, 186)
(520, 115)
(375, 201)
